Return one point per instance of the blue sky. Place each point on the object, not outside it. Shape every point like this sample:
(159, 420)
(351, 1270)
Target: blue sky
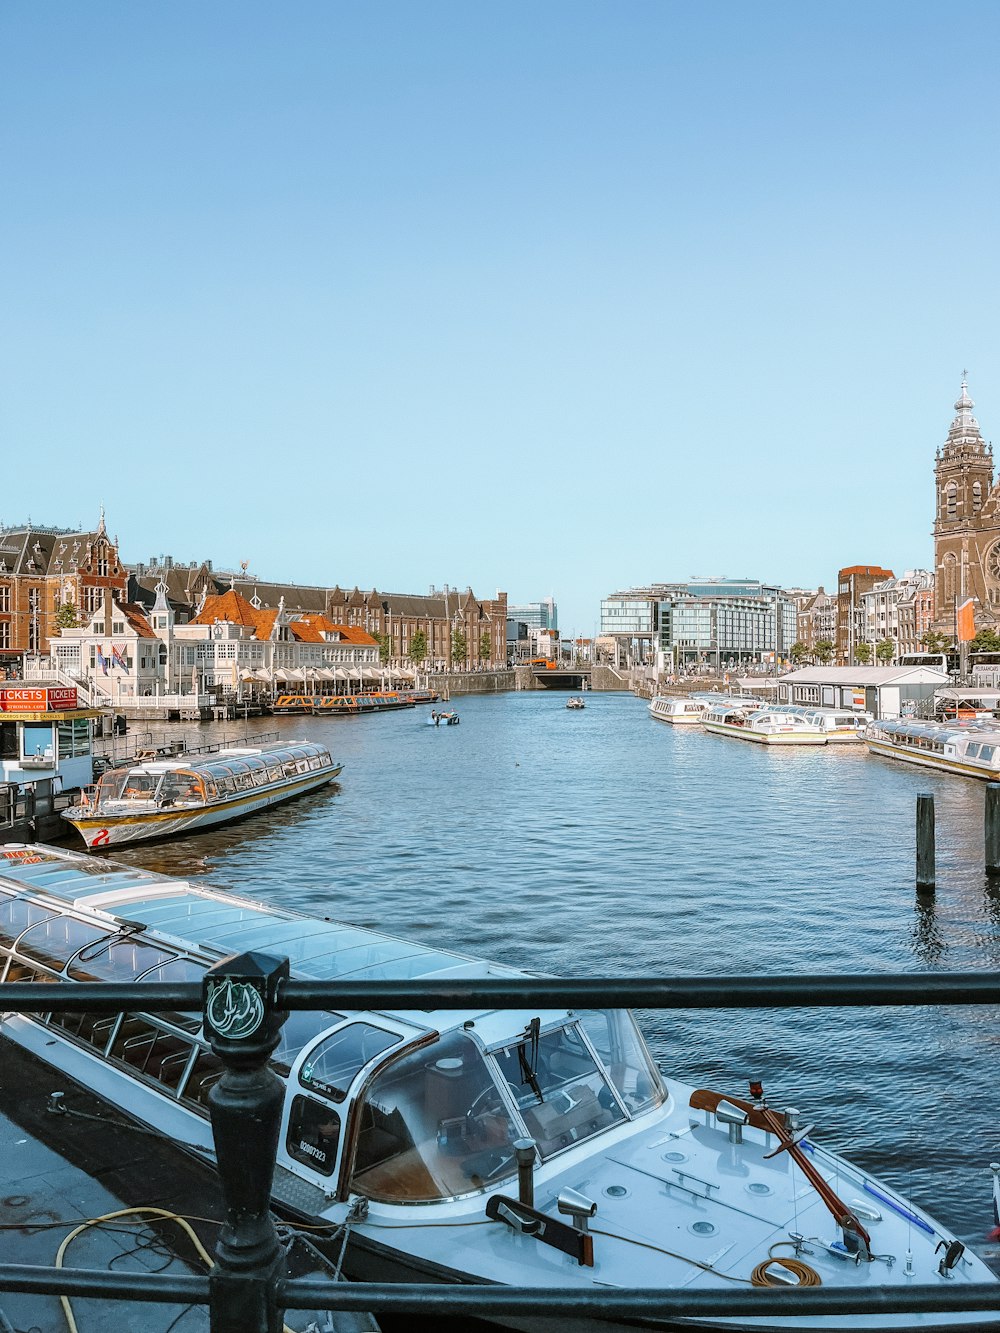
(554, 297)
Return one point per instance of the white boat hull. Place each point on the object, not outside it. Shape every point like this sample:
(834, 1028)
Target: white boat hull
(923, 759)
(766, 737)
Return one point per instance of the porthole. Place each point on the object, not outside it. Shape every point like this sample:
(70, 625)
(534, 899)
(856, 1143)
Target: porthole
(703, 1228)
(674, 1156)
(616, 1192)
(758, 1187)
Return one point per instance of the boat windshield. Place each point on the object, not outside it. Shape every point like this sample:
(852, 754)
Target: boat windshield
(182, 787)
(433, 1126)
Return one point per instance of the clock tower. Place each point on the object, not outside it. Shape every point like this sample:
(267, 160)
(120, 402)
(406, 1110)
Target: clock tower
(966, 522)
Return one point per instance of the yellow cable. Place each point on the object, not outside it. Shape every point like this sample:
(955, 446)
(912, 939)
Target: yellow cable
(128, 1212)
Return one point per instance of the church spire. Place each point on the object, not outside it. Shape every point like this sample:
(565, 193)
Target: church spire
(964, 437)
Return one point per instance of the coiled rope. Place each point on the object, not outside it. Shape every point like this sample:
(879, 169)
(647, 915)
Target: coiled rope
(804, 1275)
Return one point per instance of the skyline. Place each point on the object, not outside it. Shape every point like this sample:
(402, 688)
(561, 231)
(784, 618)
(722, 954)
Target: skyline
(559, 302)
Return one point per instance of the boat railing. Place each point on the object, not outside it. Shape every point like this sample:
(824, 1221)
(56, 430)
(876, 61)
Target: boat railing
(244, 1295)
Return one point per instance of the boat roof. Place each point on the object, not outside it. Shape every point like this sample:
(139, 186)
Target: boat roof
(224, 759)
(944, 731)
(209, 924)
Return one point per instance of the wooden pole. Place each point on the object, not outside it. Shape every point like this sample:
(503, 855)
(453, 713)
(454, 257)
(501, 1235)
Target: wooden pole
(925, 841)
(993, 828)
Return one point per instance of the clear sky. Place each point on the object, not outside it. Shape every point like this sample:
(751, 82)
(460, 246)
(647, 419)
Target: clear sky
(552, 297)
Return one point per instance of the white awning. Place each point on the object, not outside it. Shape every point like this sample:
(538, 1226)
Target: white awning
(342, 673)
(370, 673)
(262, 673)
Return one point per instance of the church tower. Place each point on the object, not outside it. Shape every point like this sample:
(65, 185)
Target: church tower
(966, 522)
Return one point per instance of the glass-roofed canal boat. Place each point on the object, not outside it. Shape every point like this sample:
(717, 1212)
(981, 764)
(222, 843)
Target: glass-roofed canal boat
(970, 749)
(405, 1126)
(158, 798)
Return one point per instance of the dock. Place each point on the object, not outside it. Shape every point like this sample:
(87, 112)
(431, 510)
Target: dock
(73, 1159)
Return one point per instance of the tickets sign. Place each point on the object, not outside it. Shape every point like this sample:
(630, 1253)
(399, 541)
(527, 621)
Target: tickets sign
(37, 699)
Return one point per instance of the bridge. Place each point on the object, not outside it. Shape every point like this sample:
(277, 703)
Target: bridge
(562, 678)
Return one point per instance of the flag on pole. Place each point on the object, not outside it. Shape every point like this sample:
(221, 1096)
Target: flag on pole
(965, 619)
(118, 653)
(102, 661)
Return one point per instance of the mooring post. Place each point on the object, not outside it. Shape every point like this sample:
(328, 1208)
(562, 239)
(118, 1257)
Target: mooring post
(524, 1155)
(243, 1024)
(925, 841)
(993, 828)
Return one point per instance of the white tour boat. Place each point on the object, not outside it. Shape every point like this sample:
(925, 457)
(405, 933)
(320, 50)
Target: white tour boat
(839, 725)
(763, 724)
(403, 1126)
(972, 749)
(157, 798)
(679, 711)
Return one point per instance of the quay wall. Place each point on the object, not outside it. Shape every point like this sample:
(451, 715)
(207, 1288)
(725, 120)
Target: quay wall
(453, 683)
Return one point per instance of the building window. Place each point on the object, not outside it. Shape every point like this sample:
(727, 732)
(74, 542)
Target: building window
(977, 497)
(951, 501)
(5, 597)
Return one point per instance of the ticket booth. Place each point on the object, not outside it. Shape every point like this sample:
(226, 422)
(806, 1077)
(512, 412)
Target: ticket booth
(44, 736)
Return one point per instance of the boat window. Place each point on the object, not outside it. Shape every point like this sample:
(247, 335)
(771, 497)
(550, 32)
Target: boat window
(274, 772)
(331, 1068)
(150, 1050)
(16, 915)
(116, 958)
(206, 1073)
(986, 753)
(972, 750)
(112, 785)
(177, 970)
(313, 1134)
(139, 786)
(300, 1028)
(433, 1126)
(94, 1029)
(623, 1052)
(561, 1094)
(182, 787)
(55, 941)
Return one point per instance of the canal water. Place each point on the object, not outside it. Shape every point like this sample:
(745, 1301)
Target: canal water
(599, 842)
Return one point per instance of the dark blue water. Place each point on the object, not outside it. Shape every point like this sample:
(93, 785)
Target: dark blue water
(600, 842)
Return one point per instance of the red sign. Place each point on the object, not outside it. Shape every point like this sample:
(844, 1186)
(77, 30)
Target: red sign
(37, 699)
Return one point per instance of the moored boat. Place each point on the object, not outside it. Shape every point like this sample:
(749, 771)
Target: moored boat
(678, 710)
(370, 701)
(765, 725)
(158, 798)
(403, 1126)
(972, 751)
(839, 725)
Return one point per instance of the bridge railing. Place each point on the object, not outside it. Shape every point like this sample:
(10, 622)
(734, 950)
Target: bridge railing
(248, 1289)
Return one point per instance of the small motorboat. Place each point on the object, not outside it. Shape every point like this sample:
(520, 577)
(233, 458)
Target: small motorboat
(575, 702)
(449, 719)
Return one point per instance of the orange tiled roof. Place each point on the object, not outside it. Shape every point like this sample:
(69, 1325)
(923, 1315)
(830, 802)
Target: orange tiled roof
(137, 620)
(234, 609)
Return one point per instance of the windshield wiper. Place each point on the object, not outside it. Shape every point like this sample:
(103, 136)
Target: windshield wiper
(529, 1067)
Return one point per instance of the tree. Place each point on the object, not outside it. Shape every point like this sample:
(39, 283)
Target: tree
(798, 653)
(986, 641)
(862, 653)
(459, 645)
(936, 642)
(885, 651)
(824, 650)
(418, 646)
(485, 646)
(66, 617)
(383, 646)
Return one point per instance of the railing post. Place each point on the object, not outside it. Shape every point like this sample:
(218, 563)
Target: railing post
(925, 841)
(243, 1024)
(993, 828)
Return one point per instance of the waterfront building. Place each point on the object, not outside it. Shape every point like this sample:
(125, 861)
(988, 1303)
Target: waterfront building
(852, 583)
(966, 523)
(115, 653)
(50, 576)
(536, 615)
(816, 615)
(883, 691)
(446, 620)
(45, 739)
(898, 610)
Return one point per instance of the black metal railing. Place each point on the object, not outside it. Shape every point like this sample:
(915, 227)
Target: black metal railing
(248, 1289)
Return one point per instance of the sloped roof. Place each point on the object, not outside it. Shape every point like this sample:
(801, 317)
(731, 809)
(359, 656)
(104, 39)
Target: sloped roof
(137, 620)
(232, 608)
(863, 675)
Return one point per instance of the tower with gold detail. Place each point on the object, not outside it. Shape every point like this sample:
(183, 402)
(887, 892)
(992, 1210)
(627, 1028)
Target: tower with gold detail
(966, 522)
